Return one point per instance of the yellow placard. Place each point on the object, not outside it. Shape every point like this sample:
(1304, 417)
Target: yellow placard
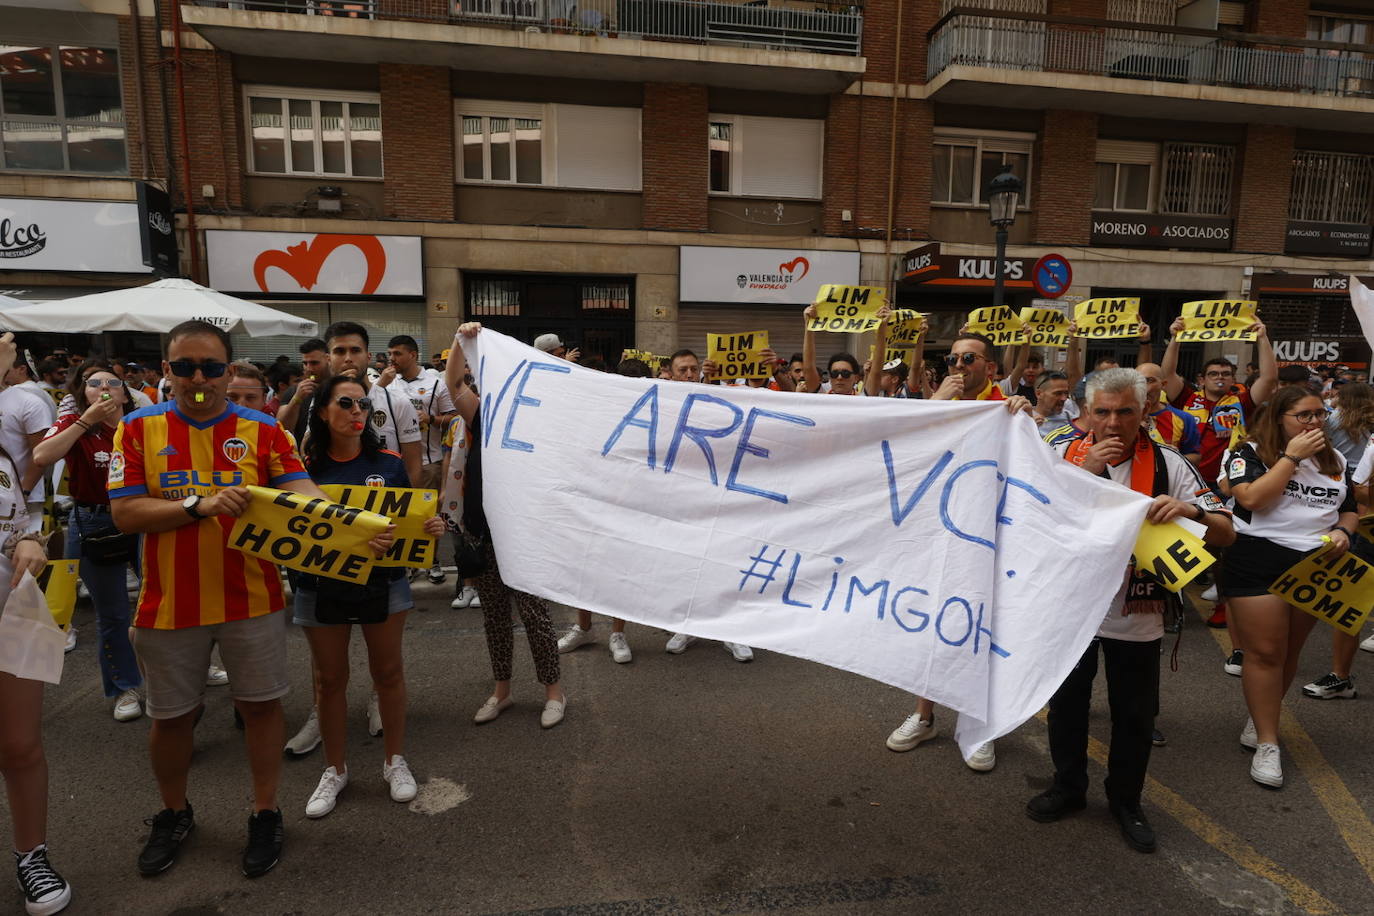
(1219, 319)
(408, 510)
(1107, 319)
(904, 354)
(907, 325)
(649, 359)
(1366, 527)
(310, 535)
(1171, 554)
(1000, 323)
(1045, 327)
(847, 309)
(1337, 590)
(739, 355)
(59, 588)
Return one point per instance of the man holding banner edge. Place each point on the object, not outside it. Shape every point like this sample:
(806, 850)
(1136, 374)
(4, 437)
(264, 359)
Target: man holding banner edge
(177, 475)
(1130, 635)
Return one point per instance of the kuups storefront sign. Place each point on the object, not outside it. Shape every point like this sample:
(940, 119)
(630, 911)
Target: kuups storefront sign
(85, 235)
(1161, 230)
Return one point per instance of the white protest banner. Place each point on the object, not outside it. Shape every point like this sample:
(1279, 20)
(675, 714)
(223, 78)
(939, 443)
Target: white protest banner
(961, 560)
(1362, 300)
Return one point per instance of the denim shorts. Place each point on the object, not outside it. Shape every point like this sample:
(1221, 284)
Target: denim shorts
(303, 611)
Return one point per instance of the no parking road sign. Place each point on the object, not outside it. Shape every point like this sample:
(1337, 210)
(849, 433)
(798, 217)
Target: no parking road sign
(1052, 276)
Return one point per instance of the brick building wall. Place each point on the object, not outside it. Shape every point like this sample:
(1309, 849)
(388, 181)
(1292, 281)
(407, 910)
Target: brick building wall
(676, 163)
(417, 142)
(1266, 174)
(856, 167)
(1280, 17)
(1063, 179)
(879, 38)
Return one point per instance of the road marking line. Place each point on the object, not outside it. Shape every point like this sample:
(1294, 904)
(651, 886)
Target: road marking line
(1345, 812)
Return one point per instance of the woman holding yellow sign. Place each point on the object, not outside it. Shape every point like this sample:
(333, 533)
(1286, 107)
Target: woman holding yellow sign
(340, 448)
(1292, 496)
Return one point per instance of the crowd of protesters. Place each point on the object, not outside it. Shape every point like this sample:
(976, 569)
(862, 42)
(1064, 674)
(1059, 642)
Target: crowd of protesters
(104, 449)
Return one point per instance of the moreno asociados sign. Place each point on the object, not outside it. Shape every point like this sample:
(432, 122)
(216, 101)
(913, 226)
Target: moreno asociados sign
(1162, 230)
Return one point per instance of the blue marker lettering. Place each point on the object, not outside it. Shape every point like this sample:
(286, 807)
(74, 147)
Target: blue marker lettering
(791, 578)
(699, 434)
(978, 636)
(896, 599)
(522, 399)
(489, 410)
(1008, 483)
(650, 399)
(834, 579)
(900, 512)
(856, 586)
(940, 622)
(949, 492)
(746, 447)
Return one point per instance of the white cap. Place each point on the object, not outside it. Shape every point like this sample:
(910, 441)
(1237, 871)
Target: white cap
(547, 342)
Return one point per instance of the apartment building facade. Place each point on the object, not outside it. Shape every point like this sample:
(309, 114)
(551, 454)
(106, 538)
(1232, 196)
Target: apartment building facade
(640, 172)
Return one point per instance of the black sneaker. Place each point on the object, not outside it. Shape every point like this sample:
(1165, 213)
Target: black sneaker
(264, 843)
(1158, 739)
(44, 890)
(1137, 831)
(436, 575)
(1053, 804)
(1234, 662)
(1331, 687)
(170, 830)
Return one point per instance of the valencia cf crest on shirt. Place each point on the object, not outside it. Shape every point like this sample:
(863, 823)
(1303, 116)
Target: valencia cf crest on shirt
(235, 449)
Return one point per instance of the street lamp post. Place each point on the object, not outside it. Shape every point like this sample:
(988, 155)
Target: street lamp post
(1004, 193)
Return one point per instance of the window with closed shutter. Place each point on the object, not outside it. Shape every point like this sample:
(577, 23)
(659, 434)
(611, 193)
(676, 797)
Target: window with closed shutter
(597, 147)
(766, 157)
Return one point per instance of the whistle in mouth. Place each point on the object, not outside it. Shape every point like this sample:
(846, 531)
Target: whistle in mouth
(357, 425)
(200, 397)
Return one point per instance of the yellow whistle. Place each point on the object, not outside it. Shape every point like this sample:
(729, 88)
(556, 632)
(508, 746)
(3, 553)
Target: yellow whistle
(104, 397)
(1326, 539)
(200, 397)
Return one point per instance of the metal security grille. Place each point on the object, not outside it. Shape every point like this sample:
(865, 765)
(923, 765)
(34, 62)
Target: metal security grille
(1331, 187)
(493, 297)
(1155, 12)
(1197, 179)
(1309, 318)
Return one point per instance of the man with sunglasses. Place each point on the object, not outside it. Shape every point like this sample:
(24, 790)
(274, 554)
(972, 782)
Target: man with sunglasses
(178, 475)
(393, 418)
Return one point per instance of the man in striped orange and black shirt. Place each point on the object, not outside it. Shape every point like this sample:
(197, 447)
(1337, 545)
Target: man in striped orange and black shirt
(178, 475)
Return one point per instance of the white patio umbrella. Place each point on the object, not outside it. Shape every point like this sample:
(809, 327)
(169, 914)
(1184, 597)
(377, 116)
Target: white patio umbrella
(155, 309)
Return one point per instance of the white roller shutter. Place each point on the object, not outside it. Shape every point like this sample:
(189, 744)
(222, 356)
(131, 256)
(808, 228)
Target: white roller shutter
(1128, 151)
(267, 349)
(781, 157)
(784, 328)
(597, 147)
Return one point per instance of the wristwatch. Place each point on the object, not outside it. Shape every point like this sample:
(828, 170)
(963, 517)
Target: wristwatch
(190, 503)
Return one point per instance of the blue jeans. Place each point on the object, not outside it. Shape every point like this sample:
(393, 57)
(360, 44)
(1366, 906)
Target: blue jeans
(110, 595)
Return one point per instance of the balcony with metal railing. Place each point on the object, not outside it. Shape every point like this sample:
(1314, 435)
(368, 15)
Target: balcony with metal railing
(1173, 71)
(766, 35)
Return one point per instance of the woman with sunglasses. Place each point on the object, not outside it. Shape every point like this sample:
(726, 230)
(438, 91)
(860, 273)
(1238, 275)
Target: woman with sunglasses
(85, 438)
(341, 448)
(1292, 495)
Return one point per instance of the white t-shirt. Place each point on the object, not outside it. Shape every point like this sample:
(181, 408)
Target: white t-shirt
(1185, 483)
(15, 518)
(427, 392)
(1366, 465)
(23, 413)
(393, 419)
(1309, 507)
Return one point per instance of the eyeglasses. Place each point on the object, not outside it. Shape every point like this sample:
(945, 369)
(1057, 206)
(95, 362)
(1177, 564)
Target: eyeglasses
(104, 383)
(841, 373)
(210, 368)
(344, 401)
(1307, 416)
(1220, 375)
(968, 359)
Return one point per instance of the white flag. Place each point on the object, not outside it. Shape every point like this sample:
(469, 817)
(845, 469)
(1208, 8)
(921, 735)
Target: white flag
(938, 546)
(1362, 300)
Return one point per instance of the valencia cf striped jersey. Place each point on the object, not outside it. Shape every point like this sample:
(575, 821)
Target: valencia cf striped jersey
(191, 577)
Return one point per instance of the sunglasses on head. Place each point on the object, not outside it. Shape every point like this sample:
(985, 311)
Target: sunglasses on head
(841, 373)
(210, 368)
(344, 401)
(968, 359)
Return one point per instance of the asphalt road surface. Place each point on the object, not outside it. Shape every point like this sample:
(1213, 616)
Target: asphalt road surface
(695, 784)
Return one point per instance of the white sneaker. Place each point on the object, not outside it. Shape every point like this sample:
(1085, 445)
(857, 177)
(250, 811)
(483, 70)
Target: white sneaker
(1265, 768)
(1368, 644)
(71, 639)
(127, 707)
(678, 643)
(476, 601)
(82, 592)
(553, 712)
(620, 648)
(983, 759)
(326, 794)
(374, 716)
(1248, 739)
(741, 653)
(466, 595)
(307, 739)
(911, 733)
(397, 775)
(132, 582)
(436, 574)
(491, 709)
(1210, 594)
(576, 636)
(216, 677)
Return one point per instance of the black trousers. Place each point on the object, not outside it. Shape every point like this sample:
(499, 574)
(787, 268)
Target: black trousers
(1132, 694)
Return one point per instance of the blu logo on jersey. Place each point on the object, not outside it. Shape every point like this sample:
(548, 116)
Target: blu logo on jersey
(170, 479)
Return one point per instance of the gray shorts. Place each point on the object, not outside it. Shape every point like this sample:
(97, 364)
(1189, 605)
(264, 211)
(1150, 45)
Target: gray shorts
(303, 611)
(174, 663)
